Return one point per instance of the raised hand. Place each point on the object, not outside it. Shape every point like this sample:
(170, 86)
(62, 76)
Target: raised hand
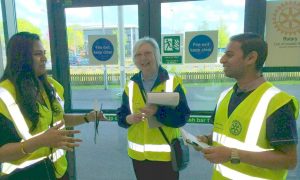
(56, 138)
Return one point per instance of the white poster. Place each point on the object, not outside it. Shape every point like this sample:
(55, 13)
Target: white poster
(201, 47)
(103, 49)
(283, 33)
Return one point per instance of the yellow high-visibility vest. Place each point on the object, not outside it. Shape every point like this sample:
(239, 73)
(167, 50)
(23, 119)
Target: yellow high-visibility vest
(10, 109)
(245, 129)
(148, 143)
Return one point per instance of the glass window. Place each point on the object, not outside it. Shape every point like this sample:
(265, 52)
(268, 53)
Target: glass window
(27, 13)
(282, 34)
(88, 75)
(203, 81)
(2, 44)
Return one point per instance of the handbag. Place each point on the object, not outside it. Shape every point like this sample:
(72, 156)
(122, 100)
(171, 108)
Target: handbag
(41, 170)
(180, 155)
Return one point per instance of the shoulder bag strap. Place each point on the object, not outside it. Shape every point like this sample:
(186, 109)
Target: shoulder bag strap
(164, 135)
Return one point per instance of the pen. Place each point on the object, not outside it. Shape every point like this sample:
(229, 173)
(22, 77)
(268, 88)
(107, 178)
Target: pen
(96, 108)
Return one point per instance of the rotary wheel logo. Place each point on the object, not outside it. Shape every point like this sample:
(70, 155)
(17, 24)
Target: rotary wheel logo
(286, 18)
(236, 128)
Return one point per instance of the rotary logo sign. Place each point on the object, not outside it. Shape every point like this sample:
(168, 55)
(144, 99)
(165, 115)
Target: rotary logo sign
(283, 33)
(286, 18)
(236, 127)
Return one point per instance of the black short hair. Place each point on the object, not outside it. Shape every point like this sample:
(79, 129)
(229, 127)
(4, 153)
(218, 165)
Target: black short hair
(253, 42)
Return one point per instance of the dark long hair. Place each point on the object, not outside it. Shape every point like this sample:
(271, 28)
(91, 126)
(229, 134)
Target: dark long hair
(19, 70)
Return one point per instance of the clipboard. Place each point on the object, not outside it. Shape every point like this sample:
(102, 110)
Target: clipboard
(164, 99)
(153, 122)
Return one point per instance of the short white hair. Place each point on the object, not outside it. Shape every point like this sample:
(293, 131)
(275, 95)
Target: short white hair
(153, 43)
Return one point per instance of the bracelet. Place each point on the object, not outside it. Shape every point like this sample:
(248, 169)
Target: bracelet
(22, 149)
(85, 118)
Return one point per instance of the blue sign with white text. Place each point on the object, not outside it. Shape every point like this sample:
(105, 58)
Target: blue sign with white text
(201, 47)
(102, 49)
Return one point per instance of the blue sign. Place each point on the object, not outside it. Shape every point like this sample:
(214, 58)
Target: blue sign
(201, 47)
(102, 49)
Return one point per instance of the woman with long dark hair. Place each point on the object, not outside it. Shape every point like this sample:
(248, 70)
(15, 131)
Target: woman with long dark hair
(33, 139)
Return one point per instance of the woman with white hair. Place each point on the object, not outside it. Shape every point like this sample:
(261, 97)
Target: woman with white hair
(147, 147)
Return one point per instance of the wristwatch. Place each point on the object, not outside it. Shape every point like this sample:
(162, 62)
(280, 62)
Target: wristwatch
(234, 158)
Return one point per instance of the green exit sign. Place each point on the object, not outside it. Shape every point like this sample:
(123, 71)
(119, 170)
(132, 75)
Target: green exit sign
(171, 44)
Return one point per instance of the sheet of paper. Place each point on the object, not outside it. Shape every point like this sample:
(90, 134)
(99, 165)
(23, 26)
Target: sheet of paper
(191, 139)
(164, 98)
(153, 122)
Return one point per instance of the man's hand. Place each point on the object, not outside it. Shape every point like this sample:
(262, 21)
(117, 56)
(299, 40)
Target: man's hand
(217, 155)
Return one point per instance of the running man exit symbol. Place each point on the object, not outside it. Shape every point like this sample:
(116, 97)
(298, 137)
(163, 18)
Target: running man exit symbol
(171, 44)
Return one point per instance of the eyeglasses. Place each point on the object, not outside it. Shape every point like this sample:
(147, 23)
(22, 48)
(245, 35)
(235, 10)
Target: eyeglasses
(96, 105)
(147, 54)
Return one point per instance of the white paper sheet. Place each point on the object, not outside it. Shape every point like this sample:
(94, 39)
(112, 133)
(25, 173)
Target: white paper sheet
(153, 122)
(164, 98)
(192, 140)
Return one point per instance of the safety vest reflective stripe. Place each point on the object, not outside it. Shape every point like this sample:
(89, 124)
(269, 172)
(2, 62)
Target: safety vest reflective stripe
(7, 168)
(149, 147)
(15, 113)
(130, 94)
(56, 155)
(168, 88)
(258, 116)
(233, 174)
(169, 83)
(222, 95)
(255, 124)
(59, 99)
(61, 102)
(23, 130)
(252, 135)
(233, 143)
(57, 122)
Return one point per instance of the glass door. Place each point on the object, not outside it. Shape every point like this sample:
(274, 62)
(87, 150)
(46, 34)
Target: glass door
(92, 42)
(94, 76)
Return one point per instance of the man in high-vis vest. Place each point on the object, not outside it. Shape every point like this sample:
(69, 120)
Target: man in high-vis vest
(149, 151)
(254, 134)
(33, 139)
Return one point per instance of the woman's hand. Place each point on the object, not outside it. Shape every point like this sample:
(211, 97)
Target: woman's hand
(56, 138)
(134, 118)
(149, 110)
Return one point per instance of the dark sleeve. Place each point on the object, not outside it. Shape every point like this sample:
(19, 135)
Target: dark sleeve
(123, 111)
(281, 126)
(8, 133)
(174, 117)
